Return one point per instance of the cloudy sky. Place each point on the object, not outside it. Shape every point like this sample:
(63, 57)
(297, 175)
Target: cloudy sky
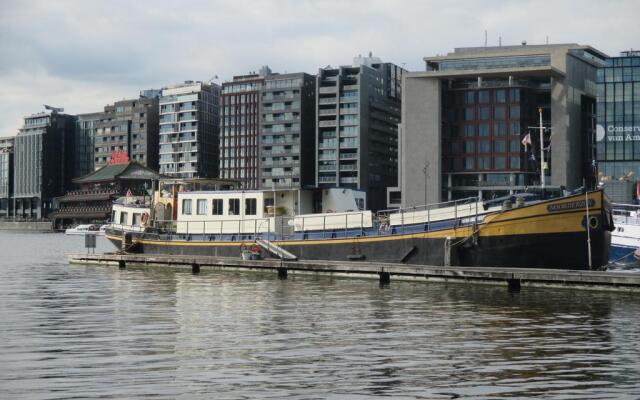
(84, 54)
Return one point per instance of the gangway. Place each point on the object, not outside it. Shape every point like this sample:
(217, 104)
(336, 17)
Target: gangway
(276, 250)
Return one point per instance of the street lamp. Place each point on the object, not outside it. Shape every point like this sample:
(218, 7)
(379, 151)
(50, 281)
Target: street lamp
(425, 171)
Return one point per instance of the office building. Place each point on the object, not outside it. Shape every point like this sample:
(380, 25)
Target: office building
(189, 126)
(358, 111)
(618, 126)
(128, 127)
(287, 135)
(464, 119)
(6, 176)
(84, 142)
(43, 162)
(240, 128)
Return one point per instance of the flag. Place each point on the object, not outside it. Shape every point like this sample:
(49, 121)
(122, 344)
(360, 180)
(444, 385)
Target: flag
(129, 194)
(638, 189)
(526, 141)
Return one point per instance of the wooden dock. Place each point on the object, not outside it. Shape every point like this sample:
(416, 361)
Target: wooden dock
(513, 278)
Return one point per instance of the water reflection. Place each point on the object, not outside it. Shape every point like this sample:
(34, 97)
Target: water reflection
(95, 331)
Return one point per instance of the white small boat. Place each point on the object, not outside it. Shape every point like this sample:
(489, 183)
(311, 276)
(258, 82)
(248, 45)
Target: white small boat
(85, 229)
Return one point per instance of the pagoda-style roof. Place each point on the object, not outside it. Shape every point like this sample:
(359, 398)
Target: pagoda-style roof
(125, 171)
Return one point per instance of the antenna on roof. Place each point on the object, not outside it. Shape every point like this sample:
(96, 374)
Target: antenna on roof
(547, 39)
(485, 38)
(500, 41)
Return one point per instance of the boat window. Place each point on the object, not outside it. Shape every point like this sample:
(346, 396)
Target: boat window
(113, 216)
(124, 216)
(201, 207)
(234, 206)
(216, 207)
(136, 219)
(186, 207)
(250, 206)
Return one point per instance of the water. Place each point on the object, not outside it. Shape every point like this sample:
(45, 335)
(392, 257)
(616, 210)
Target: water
(86, 332)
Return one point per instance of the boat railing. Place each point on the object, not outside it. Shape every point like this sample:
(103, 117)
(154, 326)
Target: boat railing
(626, 213)
(400, 219)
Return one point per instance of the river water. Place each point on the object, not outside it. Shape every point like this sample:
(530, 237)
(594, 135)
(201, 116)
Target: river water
(69, 331)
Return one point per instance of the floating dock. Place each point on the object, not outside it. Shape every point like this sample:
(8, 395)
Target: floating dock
(513, 278)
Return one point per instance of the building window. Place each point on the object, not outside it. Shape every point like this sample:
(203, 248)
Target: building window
(498, 162)
(501, 96)
(469, 146)
(515, 95)
(498, 146)
(469, 97)
(469, 130)
(498, 112)
(250, 206)
(484, 112)
(201, 207)
(483, 163)
(514, 112)
(468, 163)
(498, 128)
(514, 146)
(234, 206)
(468, 114)
(514, 162)
(483, 96)
(483, 130)
(515, 128)
(186, 206)
(483, 146)
(216, 207)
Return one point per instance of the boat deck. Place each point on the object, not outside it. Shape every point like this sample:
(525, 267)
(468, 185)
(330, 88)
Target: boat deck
(513, 278)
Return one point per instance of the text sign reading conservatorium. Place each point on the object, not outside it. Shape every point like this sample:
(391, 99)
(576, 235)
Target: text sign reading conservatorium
(571, 205)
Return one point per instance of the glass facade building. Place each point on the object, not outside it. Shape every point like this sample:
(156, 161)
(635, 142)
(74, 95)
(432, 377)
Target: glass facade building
(618, 116)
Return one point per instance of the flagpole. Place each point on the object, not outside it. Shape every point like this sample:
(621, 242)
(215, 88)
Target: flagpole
(541, 150)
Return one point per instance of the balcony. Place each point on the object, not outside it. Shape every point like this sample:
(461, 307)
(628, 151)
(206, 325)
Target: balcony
(327, 100)
(349, 179)
(327, 123)
(326, 179)
(327, 112)
(349, 156)
(328, 89)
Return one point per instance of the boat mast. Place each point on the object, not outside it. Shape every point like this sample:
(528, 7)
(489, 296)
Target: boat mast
(542, 163)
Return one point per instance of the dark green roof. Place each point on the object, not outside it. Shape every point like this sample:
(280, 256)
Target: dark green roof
(111, 172)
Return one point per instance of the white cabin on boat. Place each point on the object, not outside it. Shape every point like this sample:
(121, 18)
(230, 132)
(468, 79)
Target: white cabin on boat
(261, 211)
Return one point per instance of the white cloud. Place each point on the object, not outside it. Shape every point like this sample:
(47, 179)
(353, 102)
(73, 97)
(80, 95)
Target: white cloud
(82, 55)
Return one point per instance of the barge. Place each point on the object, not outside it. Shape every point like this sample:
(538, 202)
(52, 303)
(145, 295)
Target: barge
(521, 231)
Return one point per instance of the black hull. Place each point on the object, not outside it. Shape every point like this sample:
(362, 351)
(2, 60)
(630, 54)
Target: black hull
(554, 251)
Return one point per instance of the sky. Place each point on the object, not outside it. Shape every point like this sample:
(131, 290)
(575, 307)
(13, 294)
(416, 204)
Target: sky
(82, 55)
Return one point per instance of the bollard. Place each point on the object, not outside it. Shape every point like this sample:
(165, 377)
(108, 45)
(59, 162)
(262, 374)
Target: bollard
(385, 278)
(282, 273)
(122, 264)
(195, 268)
(514, 284)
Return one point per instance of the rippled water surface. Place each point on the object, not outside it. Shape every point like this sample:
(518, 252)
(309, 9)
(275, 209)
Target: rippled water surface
(83, 332)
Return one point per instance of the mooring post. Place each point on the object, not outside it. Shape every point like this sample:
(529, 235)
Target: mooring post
(122, 264)
(282, 273)
(385, 278)
(514, 284)
(195, 268)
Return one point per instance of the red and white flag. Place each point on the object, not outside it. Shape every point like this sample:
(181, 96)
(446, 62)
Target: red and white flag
(526, 140)
(129, 194)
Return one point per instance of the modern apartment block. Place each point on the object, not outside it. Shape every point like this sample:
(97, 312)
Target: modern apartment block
(358, 111)
(127, 126)
(618, 127)
(287, 135)
(464, 119)
(240, 128)
(43, 162)
(189, 126)
(6, 176)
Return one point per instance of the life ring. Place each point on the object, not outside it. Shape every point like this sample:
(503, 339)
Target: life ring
(145, 218)
(255, 248)
(593, 222)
